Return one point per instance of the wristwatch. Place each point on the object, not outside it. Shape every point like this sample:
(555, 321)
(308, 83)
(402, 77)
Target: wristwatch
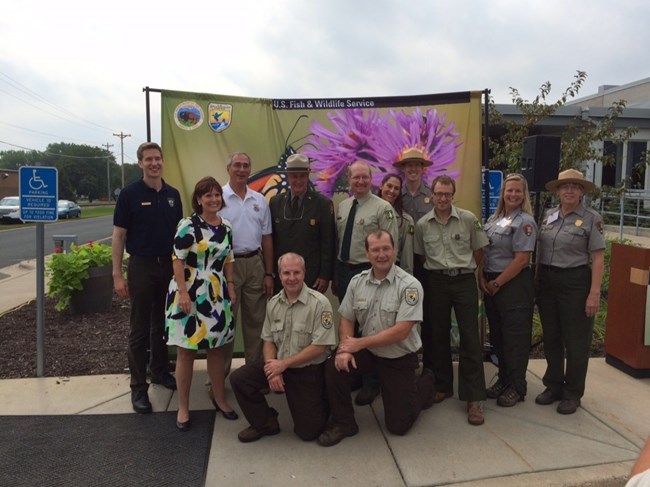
(270, 274)
(496, 284)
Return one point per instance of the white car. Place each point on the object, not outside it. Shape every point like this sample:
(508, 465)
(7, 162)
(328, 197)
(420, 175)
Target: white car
(10, 208)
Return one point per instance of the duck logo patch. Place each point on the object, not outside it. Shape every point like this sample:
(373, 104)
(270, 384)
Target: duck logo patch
(326, 320)
(412, 296)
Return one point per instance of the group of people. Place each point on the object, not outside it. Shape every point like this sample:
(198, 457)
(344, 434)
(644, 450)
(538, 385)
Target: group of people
(397, 261)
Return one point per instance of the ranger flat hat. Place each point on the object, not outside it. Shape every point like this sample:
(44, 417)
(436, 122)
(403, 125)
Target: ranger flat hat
(297, 163)
(571, 176)
(412, 155)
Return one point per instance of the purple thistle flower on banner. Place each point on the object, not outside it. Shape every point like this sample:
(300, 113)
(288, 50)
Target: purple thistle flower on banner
(427, 133)
(350, 140)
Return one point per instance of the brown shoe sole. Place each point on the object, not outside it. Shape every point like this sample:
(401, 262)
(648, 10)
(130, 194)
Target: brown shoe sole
(441, 396)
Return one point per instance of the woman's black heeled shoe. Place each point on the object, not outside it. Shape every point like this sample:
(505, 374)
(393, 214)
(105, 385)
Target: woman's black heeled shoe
(231, 415)
(184, 427)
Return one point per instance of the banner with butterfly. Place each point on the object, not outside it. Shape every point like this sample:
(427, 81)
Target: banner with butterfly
(201, 130)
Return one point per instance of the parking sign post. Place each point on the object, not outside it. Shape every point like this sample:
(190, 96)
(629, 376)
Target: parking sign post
(39, 194)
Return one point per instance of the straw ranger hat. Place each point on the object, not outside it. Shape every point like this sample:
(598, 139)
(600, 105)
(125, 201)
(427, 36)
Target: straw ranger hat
(297, 163)
(571, 176)
(412, 155)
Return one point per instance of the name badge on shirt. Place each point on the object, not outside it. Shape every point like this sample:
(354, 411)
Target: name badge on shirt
(552, 217)
(504, 222)
(145, 203)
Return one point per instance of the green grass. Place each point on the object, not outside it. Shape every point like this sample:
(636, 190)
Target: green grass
(91, 212)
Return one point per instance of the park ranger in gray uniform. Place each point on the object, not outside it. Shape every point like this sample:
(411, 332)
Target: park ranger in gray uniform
(416, 196)
(448, 242)
(298, 335)
(507, 283)
(570, 238)
(387, 303)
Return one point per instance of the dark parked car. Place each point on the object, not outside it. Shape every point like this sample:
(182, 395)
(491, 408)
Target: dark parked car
(68, 209)
(9, 208)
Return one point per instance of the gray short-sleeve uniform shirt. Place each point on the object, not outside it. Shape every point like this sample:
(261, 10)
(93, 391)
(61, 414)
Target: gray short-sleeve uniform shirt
(419, 204)
(292, 327)
(517, 233)
(378, 305)
(567, 241)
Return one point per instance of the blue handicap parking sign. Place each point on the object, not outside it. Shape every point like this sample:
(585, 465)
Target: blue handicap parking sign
(495, 179)
(39, 193)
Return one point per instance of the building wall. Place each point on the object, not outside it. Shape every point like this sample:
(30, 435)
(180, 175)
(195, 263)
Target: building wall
(8, 182)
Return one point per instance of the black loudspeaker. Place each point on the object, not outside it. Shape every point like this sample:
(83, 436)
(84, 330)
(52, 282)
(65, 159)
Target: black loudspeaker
(540, 161)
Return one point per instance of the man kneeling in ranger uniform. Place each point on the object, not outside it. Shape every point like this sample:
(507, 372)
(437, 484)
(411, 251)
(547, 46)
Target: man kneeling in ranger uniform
(387, 303)
(298, 336)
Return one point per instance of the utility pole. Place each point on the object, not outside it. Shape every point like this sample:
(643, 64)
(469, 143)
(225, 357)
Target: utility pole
(122, 135)
(108, 171)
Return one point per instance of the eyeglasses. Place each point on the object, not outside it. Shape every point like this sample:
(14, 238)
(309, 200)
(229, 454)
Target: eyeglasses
(439, 194)
(360, 178)
(239, 165)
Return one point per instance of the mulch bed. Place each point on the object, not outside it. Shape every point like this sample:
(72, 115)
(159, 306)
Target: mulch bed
(90, 344)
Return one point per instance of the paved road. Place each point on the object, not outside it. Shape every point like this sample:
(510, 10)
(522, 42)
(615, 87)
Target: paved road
(19, 244)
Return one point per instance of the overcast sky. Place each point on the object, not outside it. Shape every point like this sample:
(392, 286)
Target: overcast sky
(73, 71)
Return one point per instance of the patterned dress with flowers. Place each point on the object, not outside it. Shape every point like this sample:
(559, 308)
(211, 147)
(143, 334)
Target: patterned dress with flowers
(205, 249)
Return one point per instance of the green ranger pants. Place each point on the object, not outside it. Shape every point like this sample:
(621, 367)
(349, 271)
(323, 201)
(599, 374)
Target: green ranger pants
(461, 293)
(561, 300)
(510, 316)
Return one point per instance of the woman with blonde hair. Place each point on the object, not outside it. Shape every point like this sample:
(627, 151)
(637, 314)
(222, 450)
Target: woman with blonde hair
(506, 279)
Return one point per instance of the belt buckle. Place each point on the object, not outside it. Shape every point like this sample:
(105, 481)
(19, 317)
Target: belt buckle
(453, 272)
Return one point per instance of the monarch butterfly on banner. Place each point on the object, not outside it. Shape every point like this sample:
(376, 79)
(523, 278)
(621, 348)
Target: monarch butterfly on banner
(272, 180)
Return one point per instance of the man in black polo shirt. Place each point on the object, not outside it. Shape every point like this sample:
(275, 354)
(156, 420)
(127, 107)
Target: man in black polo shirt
(145, 219)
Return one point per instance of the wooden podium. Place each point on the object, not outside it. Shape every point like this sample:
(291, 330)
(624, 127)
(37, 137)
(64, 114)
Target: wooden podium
(626, 310)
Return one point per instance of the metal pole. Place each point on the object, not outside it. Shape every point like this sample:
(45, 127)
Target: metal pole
(621, 223)
(40, 299)
(486, 145)
(108, 172)
(122, 135)
(147, 107)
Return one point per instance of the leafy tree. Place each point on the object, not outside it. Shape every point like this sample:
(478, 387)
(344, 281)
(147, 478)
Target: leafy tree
(81, 168)
(577, 140)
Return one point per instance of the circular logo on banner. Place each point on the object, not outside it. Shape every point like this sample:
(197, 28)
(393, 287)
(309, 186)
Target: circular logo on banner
(188, 115)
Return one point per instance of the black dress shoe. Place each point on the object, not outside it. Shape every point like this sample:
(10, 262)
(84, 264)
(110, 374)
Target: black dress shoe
(140, 401)
(184, 427)
(167, 381)
(231, 415)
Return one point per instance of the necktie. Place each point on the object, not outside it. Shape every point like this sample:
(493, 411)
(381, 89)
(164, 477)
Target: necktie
(347, 235)
(295, 206)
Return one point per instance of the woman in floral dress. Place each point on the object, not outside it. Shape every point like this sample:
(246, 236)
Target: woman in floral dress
(200, 296)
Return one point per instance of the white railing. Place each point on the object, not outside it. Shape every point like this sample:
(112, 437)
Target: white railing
(631, 202)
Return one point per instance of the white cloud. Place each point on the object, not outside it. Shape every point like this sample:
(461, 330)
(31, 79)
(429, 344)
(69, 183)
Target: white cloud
(93, 59)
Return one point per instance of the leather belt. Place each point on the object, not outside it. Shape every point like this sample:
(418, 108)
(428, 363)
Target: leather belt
(452, 272)
(247, 255)
(553, 268)
(160, 259)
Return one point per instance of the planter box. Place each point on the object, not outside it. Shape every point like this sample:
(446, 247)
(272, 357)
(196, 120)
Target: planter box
(97, 293)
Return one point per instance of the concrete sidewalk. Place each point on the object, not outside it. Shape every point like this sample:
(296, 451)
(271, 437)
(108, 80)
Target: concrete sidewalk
(524, 445)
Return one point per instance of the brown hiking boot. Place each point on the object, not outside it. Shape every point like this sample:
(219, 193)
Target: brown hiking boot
(334, 434)
(253, 434)
(495, 390)
(475, 413)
